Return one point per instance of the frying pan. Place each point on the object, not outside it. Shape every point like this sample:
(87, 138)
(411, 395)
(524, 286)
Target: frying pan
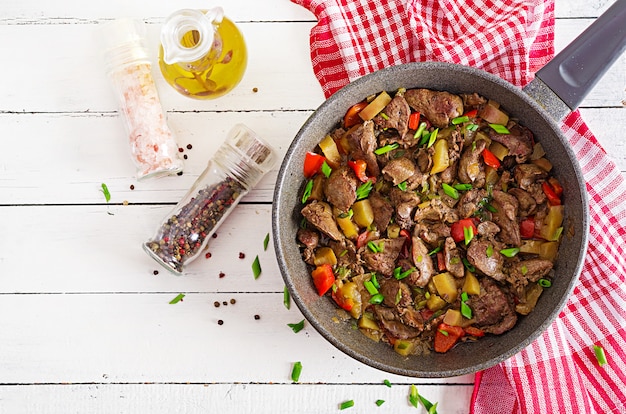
(558, 88)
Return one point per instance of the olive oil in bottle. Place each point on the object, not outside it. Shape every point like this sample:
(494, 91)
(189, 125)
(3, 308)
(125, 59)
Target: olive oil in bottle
(203, 54)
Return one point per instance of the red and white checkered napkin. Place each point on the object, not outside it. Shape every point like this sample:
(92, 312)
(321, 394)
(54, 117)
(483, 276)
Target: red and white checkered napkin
(559, 372)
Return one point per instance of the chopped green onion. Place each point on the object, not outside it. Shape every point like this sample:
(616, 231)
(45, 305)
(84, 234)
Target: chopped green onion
(472, 127)
(105, 190)
(464, 297)
(489, 251)
(326, 170)
(432, 138)
(434, 251)
(380, 402)
(599, 351)
(286, 298)
(399, 275)
(511, 252)
(307, 191)
(420, 130)
(427, 404)
(524, 269)
(466, 311)
(177, 299)
(444, 333)
(419, 259)
(500, 129)
(425, 136)
(463, 187)
(384, 116)
(450, 191)
(387, 383)
(377, 299)
(364, 190)
(296, 371)
(370, 287)
(468, 234)
(414, 396)
(343, 253)
(266, 241)
(296, 327)
(460, 119)
(346, 404)
(256, 267)
(468, 265)
(545, 283)
(375, 281)
(386, 148)
(491, 208)
(402, 186)
(374, 247)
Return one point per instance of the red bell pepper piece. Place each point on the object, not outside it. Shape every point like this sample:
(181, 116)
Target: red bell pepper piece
(474, 331)
(548, 190)
(323, 278)
(414, 120)
(472, 113)
(312, 164)
(457, 232)
(490, 159)
(446, 336)
(352, 117)
(359, 167)
(527, 228)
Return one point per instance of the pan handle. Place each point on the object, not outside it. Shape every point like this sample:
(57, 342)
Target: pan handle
(574, 72)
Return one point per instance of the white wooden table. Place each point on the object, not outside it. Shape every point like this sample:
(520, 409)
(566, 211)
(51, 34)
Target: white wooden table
(85, 324)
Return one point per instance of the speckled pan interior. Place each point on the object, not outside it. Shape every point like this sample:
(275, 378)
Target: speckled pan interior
(464, 358)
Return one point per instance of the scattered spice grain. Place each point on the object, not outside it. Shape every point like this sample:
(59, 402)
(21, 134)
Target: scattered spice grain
(257, 317)
(220, 322)
(185, 156)
(216, 304)
(132, 186)
(156, 272)
(189, 146)
(225, 303)
(180, 149)
(242, 255)
(255, 90)
(207, 255)
(222, 274)
(233, 301)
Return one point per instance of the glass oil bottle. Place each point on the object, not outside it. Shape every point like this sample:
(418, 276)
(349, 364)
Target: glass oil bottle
(203, 54)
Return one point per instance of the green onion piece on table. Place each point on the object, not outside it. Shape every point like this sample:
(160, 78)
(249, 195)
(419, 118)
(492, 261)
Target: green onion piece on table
(387, 383)
(266, 241)
(177, 299)
(296, 327)
(286, 298)
(296, 371)
(599, 351)
(414, 396)
(256, 267)
(107, 194)
(380, 402)
(346, 404)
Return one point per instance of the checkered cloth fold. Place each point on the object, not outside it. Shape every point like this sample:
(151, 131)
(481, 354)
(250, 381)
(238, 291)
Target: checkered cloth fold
(558, 373)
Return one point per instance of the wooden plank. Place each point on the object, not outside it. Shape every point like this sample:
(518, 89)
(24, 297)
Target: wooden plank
(75, 79)
(242, 10)
(226, 398)
(139, 338)
(98, 249)
(91, 149)
(284, 80)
